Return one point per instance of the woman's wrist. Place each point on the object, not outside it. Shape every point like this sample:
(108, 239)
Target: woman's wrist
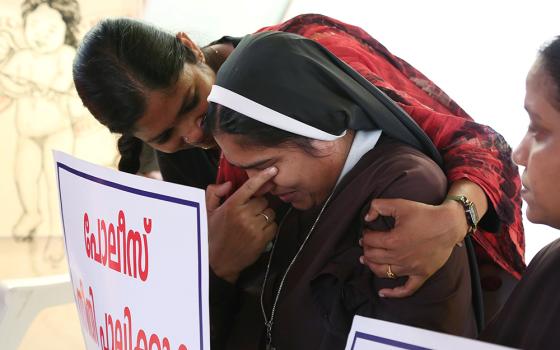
(223, 271)
(229, 276)
(473, 192)
(455, 213)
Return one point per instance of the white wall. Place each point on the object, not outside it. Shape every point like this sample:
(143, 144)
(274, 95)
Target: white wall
(478, 51)
(208, 20)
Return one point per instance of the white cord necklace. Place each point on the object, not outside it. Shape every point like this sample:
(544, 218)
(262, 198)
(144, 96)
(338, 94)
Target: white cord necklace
(269, 322)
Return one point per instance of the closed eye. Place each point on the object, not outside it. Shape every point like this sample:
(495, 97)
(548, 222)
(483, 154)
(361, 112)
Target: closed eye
(183, 111)
(189, 106)
(164, 137)
(536, 130)
(258, 165)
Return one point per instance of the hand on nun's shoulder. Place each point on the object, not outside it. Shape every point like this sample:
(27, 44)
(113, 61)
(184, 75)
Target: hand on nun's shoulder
(417, 246)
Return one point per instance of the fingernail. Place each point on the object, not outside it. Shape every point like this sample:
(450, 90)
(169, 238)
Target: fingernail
(381, 295)
(362, 260)
(367, 217)
(272, 170)
(360, 242)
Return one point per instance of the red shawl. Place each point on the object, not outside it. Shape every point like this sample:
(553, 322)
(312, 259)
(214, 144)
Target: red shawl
(470, 151)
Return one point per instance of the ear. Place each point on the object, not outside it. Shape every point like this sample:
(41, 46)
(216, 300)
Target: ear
(185, 40)
(324, 147)
(341, 144)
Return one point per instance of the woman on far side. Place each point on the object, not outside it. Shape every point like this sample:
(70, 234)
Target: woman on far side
(530, 318)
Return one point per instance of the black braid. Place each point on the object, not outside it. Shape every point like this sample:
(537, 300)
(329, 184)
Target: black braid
(130, 148)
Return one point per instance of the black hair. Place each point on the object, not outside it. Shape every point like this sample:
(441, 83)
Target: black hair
(118, 62)
(550, 55)
(130, 149)
(68, 9)
(221, 119)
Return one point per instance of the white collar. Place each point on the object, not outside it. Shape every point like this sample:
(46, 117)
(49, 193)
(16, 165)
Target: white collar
(363, 142)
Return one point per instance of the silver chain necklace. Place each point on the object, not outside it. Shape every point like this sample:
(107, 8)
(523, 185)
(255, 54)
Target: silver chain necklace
(269, 322)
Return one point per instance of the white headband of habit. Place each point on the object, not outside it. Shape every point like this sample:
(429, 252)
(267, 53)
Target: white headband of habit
(263, 114)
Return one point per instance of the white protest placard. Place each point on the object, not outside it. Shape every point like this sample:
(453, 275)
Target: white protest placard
(137, 253)
(372, 334)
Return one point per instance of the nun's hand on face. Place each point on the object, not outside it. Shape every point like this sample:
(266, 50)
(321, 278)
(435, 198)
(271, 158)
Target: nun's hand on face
(409, 250)
(241, 227)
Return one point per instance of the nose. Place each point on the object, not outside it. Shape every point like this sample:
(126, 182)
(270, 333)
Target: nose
(191, 133)
(266, 188)
(519, 155)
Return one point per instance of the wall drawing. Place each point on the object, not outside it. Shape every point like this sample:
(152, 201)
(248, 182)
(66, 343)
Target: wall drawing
(40, 110)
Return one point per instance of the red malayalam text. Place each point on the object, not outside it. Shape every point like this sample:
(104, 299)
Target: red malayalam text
(121, 250)
(119, 335)
(86, 311)
(116, 334)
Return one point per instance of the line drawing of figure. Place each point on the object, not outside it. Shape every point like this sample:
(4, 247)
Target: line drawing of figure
(41, 111)
(37, 77)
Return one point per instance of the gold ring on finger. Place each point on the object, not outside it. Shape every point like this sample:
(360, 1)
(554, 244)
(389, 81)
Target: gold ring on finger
(265, 217)
(390, 273)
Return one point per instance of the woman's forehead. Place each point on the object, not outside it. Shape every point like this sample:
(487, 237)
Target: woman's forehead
(541, 87)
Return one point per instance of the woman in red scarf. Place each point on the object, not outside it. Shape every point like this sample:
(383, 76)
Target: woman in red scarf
(472, 154)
